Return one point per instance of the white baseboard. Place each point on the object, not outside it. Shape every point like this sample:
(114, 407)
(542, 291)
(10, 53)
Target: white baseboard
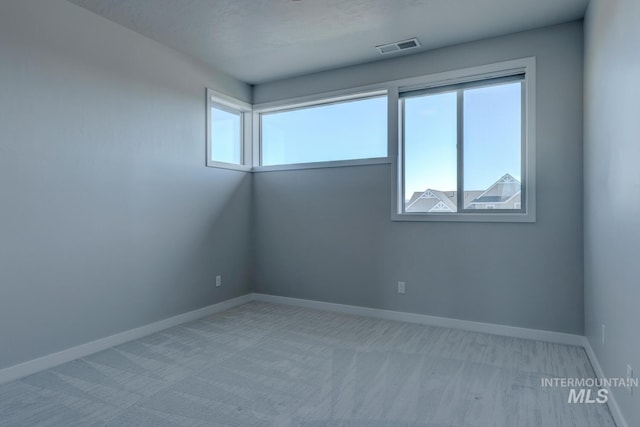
(612, 403)
(488, 328)
(510, 331)
(55, 359)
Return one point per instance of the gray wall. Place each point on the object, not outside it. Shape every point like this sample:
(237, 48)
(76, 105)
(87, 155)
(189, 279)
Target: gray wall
(326, 234)
(109, 219)
(612, 190)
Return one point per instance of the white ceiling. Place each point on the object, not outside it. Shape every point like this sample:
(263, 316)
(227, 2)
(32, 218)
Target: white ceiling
(262, 40)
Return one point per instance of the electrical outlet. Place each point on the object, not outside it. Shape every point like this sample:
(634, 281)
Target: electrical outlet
(603, 335)
(218, 281)
(401, 287)
(630, 377)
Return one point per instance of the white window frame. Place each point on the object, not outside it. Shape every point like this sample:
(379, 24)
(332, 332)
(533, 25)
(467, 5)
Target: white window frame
(392, 89)
(524, 66)
(236, 106)
(305, 102)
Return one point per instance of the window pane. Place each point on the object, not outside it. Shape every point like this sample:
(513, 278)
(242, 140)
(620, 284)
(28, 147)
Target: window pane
(430, 156)
(493, 147)
(341, 131)
(226, 138)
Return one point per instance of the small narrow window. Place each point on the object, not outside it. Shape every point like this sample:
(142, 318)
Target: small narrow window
(227, 131)
(226, 135)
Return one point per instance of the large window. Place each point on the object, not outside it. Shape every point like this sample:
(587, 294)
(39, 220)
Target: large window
(228, 126)
(463, 150)
(337, 130)
(460, 144)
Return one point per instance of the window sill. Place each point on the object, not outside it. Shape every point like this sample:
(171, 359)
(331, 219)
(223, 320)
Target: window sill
(230, 166)
(322, 165)
(465, 217)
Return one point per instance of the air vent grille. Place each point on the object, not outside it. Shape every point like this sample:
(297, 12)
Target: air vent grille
(398, 46)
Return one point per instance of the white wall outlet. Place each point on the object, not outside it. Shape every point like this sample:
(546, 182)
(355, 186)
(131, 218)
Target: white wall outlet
(603, 336)
(629, 377)
(401, 287)
(218, 281)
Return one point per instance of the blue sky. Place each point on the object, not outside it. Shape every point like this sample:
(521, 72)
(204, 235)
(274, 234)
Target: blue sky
(225, 137)
(341, 131)
(492, 136)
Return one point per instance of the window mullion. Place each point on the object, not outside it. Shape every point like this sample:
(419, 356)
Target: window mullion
(460, 148)
(401, 160)
(523, 150)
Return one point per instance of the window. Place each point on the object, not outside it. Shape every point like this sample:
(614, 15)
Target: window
(228, 120)
(461, 144)
(464, 149)
(226, 135)
(334, 130)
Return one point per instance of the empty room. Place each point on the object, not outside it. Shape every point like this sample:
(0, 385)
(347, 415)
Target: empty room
(319, 213)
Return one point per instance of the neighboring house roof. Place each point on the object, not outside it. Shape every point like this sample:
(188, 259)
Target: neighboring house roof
(503, 190)
(430, 201)
(470, 196)
(445, 200)
(414, 197)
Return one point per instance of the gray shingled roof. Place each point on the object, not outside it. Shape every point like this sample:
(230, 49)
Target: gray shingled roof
(501, 191)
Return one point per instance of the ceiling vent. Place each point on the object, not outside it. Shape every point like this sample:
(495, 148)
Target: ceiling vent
(398, 46)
